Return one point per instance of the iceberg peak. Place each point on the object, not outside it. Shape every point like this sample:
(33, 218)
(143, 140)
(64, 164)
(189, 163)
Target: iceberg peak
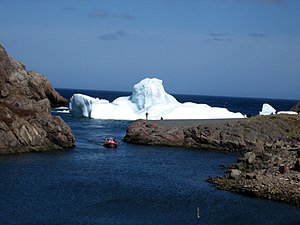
(148, 92)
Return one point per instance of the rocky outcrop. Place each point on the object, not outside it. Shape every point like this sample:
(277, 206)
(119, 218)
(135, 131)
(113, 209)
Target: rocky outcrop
(272, 174)
(258, 133)
(270, 166)
(296, 107)
(26, 123)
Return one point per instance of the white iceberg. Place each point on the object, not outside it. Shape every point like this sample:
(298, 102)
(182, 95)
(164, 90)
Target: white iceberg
(267, 110)
(287, 112)
(148, 97)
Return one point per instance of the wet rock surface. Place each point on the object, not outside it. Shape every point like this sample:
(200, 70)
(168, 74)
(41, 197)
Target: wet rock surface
(26, 123)
(270, 146)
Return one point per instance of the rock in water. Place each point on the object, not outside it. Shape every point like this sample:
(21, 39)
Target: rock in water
(26, 123)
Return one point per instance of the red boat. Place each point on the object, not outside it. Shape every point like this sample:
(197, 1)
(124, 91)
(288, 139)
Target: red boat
(110, 143)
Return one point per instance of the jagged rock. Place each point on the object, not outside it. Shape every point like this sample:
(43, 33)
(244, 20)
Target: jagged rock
(235, 174)
(277, 178)
(250, 157)
(296, 107)
(41, 89)
(26, 123)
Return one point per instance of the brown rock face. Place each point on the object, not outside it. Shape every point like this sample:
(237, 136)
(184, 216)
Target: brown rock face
(145, 133)
(273, 174)
(253, 134)
(26, 123)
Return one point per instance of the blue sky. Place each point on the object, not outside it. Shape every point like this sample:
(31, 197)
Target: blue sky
(244, 48)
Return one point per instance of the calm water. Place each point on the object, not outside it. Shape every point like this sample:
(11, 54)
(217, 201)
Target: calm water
(131, 185)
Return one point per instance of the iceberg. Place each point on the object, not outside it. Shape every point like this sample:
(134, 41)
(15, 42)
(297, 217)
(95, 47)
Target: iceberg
(267, 110)
(287, 112)
(148, 98)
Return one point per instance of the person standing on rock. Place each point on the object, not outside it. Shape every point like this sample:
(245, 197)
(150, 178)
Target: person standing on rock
(147, 115)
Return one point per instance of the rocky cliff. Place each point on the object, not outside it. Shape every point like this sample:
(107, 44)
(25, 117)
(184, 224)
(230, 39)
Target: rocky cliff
(26, 123)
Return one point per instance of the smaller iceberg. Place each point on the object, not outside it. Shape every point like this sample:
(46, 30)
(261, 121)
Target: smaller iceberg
(267, 110)
(288, 112)
(148, 100)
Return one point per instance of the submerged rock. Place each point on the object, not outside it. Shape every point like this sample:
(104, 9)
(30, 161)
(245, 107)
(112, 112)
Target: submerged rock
(26, 123)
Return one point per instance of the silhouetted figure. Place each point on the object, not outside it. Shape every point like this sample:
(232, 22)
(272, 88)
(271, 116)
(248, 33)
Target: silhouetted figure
(147, 115)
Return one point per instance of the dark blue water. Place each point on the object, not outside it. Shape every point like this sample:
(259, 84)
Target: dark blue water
(130, 185)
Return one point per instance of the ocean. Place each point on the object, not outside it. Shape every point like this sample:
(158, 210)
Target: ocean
(132, 184)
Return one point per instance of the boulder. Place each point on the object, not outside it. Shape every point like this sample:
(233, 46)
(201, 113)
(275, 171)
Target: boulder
(235, 174)
(250, 157)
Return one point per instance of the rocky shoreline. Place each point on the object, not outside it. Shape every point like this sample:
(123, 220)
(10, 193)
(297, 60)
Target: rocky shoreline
(26, 123)
(270, 167)
(272, 175)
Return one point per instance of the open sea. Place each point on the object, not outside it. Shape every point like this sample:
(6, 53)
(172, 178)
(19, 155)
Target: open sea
(131, 185)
